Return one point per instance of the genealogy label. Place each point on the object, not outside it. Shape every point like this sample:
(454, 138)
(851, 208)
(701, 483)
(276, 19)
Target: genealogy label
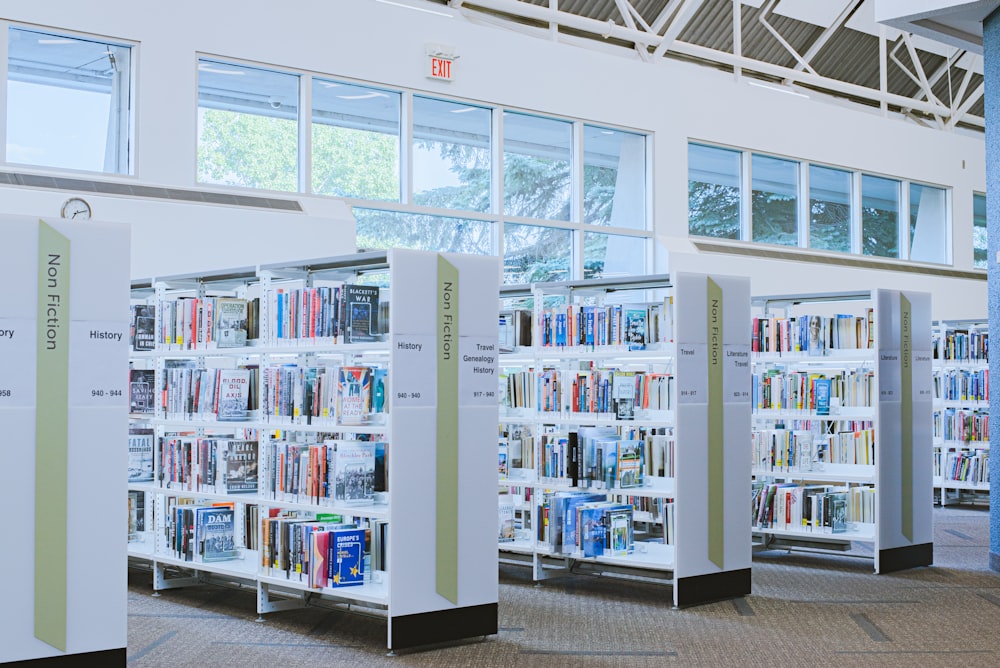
(93, 380)
(477, 371)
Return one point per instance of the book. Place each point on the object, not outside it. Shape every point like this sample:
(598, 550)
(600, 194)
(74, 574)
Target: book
(503, 462)
(353, 470)
(230, 314)
(241, 467)
(635, 328)
(216, 531)
(505, 519)
(361, 308)
(822, 395)
(141, 386)
(345, 559)
(136, 514)
(233, 394)
(143, 327)
(140, 454)
(623, 394)
(630, 463)
(353, 399)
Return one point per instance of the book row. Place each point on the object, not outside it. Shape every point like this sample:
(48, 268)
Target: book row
(606, 457)
(197, 464)
(962, 345)
(634, 326)
(780, 389)
(325, 472)
(624, 394)
(346, 395)
(342, 313)
(194, 323)
(965, 465)
(789, 450)
(202, 533)
(585, 524)
(812, 508)
(962, 385)
(190, 393)
(955, 424)
(812, 334)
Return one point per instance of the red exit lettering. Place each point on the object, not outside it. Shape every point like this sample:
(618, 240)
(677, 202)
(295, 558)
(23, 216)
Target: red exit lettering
(440, 68)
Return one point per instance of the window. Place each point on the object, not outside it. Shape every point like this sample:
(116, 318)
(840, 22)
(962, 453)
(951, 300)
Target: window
(614, 178)
(774, 201)
(388, 229)
(355, 141)
(536, 166)
(535, 253)
(247, 126)
(829, 209)
(980, 251)
(713, 192)
(68, 102)
(928, 224)
(451, 155)
(879, 216)
(609, 255)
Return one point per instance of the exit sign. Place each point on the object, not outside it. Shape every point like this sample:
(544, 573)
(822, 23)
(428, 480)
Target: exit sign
(440, 68)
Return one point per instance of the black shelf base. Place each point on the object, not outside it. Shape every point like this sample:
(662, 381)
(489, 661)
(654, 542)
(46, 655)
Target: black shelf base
(701, 589)
(430, 628)
(901, 558)
(108, 657)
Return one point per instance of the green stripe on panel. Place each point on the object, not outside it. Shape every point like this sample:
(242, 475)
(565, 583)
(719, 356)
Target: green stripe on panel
(447, 432)
(51, 436)
(906, 415)
(716, 449)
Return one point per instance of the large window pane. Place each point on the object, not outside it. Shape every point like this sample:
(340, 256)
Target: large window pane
(355, 141)
(928, 224)
(774, 203)
(536, 166)
(395, 229)
(879, 216)
(247, 126)
(609, 255)
(451, 155)
(534, 253)
(68, 102)
(614, 178)
(829, 209)
(713, 192)
(980, 251)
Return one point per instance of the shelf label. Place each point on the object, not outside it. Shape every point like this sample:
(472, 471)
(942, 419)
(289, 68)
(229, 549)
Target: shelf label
(17, 363)
(888, 375)
(692, 377)
(96, 379)
(414, 370)
(923, 375)
(736, 373)
(477, 371)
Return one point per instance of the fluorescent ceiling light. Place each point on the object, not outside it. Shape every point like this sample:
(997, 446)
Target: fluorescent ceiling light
(463, 110)
(205, 67)
(418, 9)
(363, 96)
(326, 84)
(56, 40)
(777, 89)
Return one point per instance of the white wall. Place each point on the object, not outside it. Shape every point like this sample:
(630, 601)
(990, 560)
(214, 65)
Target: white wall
(675, 101)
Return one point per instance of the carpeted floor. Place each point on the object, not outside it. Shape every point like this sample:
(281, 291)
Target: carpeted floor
(805, 609)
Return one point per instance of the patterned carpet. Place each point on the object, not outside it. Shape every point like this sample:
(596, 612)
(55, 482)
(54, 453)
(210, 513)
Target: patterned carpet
(806, 609)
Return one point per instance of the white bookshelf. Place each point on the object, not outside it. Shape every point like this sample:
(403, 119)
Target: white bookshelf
(439, 579)
(63, 406)
(703, 551)
(874, 440)
(961, 410)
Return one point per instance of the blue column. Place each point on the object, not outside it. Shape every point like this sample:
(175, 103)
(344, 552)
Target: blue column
(991, 55)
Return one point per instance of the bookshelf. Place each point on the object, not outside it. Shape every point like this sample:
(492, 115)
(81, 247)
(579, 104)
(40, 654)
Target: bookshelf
(64, 338)
(661, 377)
(961, 411)
(376, 423)
(842, 424)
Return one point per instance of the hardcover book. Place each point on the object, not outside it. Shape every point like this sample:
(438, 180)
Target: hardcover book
(241, 467)
(635, 328)
(143, 328)
(354, 471)
(230, 322)
(216, 529)
(353, 403)
(141, 384)
(361, 309)
(140, 454)
(233, 394)
(346, 557)
(630, 463)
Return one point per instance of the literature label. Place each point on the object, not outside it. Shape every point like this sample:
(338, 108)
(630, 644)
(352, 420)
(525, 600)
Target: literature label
(922, 370)
(414, 370)
(888, 375)
(17, 363)
(691, 373)
(477, 371)
(736, 373)
(94, 378)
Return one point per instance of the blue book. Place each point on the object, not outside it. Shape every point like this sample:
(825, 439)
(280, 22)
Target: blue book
(592, 530)
(560, 333)
(822, 393)
(216, 533)
(346, 560)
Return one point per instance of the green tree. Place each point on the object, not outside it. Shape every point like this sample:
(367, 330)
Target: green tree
(713, 210)
(248, 150)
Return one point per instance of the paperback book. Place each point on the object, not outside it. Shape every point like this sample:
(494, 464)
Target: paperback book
(140, 454)
(140, 391)
(143, 327)
(353, 403)
(361, 305)
(233, 394)
(216, 529)
(241, 467)
(346, 558)
(230, 322)
(354, 471)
